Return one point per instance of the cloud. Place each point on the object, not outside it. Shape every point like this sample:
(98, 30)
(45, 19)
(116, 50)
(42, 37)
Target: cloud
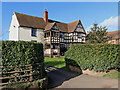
(111, 23)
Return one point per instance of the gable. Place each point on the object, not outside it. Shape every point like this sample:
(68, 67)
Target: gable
(49, 26)
(79, 28)
(14, 22)
(54, 26)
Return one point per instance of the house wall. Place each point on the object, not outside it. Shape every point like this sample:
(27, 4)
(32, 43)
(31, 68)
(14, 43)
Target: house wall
(80, 35)
(13, 30)
(25, 35)
(114, 41)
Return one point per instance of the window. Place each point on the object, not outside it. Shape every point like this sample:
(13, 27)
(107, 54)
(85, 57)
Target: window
(55, 46)
(33, 40)
(79, 35)
(56, 34)
(33, 32)
(61, 34)
(47, 46)
(82, 38)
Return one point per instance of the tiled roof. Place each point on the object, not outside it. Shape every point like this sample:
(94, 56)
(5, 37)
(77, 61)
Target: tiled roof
(38, 22)
(114, 34)
(30, 21)
(63, 27)
(49, 26)
(72, 26)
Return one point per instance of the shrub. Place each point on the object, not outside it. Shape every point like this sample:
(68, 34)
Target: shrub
(19, 53)
(97, 57)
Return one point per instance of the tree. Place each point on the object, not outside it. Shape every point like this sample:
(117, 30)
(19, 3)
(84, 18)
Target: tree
(97, 34)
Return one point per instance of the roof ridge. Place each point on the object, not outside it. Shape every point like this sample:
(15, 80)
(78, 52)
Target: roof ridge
(74, 21)
(42, 18)
(27, 15)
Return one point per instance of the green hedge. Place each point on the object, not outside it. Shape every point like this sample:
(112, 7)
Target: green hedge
(97, 57)
(19, 53)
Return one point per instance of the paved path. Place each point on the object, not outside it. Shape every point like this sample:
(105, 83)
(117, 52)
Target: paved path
(60, 78)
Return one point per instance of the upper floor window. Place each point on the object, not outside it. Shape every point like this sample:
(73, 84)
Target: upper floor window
(61, 35)
(33, 32)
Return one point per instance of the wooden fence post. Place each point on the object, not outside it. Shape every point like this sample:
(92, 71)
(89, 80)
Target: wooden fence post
(31, 74)
(15, 74)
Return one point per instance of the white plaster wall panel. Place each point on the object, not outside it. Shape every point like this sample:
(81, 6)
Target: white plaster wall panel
(25, 34)
(13, 30)
(40, 36)
(55, 50)
(79, 30)
(47, 51)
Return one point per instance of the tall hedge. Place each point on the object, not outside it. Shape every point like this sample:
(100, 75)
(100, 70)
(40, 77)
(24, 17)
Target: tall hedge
(97, 57)
(19, 53)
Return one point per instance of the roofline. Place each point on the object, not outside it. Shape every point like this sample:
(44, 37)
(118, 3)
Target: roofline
(27, 15)
(51, 20)
(115, 30)
(48, 19)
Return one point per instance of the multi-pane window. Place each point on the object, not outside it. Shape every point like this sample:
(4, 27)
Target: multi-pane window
(33, 32)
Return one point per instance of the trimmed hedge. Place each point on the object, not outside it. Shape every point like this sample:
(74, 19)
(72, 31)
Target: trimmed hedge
(97, 57)
(19, 53)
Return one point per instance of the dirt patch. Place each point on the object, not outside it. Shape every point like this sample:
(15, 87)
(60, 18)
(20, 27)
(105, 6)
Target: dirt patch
(106, 86)
(75, 69)
(88, 72)
(93, 73)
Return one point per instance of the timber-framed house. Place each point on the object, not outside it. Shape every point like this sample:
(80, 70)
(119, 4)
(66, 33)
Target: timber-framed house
(54, 35)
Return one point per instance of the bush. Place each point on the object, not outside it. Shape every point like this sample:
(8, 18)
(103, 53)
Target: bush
(97, 57)
(19, 53)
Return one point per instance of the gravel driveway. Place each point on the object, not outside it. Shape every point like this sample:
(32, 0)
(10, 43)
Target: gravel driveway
(59, 78)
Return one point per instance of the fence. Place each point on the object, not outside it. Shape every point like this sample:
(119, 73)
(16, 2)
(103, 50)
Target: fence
(18, 73)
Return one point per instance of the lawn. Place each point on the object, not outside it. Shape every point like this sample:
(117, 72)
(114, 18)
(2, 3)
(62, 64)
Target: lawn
(115, 75)
(55, 62)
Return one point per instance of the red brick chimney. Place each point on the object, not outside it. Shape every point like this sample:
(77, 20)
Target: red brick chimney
(46, 16)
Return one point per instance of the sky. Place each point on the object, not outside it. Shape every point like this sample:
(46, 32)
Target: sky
(102, 13)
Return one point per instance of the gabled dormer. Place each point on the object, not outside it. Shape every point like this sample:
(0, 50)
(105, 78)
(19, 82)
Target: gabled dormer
(54, 27)
(79, 28)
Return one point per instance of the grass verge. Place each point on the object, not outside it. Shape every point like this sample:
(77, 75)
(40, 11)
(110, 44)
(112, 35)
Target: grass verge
(115, 75)
(55, 62)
